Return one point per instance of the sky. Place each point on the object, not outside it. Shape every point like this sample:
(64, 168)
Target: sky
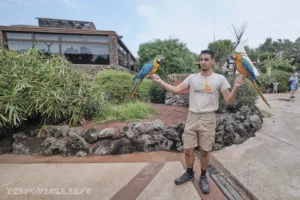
(193, 22)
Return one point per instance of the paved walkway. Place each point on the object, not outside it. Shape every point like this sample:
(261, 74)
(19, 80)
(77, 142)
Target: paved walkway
(142, 176)
(268, 165)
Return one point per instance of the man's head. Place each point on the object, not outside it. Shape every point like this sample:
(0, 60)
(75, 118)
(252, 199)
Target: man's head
(207, 60)
(296, 74)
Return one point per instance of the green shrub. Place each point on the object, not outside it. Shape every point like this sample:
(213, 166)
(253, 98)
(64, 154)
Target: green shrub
(282, 78)
(283, 65)
(157, 93)
(47, 88)
(130, 111)
(246, 96)
(267, 81)
(116, 86)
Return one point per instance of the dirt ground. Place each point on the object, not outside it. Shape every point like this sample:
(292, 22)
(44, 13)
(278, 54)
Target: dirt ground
(170, 115)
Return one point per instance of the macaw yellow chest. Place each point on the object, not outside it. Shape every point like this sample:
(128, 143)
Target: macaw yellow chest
(240, 68)
(155, 68)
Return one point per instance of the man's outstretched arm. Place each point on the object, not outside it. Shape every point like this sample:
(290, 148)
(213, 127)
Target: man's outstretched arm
(170, 88)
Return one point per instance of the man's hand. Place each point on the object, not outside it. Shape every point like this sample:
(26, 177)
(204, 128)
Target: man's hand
(239, 81)
(156, 78)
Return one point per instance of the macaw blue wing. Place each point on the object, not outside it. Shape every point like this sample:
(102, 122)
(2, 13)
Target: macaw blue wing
(249, 68)
(147, 68)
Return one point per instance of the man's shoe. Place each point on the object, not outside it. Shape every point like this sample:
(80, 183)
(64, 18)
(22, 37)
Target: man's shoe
(204, 184)
(184, 178)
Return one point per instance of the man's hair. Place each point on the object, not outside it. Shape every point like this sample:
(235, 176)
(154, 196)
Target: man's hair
(210, 52)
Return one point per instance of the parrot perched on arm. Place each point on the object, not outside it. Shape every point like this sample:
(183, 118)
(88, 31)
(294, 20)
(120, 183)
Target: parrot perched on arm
(146, 71)
(244, 67)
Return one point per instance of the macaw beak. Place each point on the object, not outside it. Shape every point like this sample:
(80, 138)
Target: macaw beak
(160, 60)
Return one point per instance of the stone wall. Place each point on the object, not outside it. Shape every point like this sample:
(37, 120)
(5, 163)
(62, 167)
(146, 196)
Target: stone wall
(231, 128)
(177, 99)
(1, 40)
(92, 70)
(173, 77)
(113, 50)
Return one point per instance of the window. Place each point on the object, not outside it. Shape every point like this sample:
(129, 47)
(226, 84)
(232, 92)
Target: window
(52, 37)
(78, 49)
(74, 38)
(91, 38)
(19, 46)
(19, 36)
(122, 56)
(86, 53)
(48, 47)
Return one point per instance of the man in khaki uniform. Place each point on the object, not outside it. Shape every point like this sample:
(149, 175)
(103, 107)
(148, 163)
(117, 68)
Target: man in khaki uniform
(204, 90)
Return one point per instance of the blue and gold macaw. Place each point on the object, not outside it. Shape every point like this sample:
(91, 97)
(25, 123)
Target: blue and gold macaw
(244, 67)
(147, 70)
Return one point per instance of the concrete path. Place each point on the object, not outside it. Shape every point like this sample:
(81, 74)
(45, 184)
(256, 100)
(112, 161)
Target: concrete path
(142, 176)
(268, 165)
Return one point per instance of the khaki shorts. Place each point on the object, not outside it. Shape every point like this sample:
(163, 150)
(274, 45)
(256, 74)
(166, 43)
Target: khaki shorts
(200, 129)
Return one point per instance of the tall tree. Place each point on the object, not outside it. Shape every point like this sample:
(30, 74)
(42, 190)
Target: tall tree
(222, 49)
(178, 58)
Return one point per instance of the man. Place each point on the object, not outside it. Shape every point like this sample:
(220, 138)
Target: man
(275, 87)
(204, 88)
(293, 86)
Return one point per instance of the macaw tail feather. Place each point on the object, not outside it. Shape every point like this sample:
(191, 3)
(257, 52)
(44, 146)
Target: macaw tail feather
(135, 87)
(258, 83)
(260, 93)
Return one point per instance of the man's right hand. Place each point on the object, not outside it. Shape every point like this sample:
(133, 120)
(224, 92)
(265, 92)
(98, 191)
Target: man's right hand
(156, 78)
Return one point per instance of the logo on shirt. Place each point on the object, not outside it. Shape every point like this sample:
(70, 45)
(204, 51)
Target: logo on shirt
(205, 87)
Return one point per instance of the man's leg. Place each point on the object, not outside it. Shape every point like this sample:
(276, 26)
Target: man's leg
(189, 162)
(206, 141)
(204, 158)
(190, 141)
(189, 157)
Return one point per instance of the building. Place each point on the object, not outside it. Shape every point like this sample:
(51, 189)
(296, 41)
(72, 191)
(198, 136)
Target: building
(77, 41)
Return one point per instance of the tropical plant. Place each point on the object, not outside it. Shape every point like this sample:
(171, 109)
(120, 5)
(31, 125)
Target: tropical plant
(115, 86)
(43, 87)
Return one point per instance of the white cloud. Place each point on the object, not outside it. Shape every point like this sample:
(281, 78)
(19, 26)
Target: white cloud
(192, 21)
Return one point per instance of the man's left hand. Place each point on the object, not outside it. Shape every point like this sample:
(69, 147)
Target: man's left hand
(239, 81)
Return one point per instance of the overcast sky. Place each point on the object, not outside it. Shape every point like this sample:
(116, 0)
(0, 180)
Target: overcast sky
(192, 21)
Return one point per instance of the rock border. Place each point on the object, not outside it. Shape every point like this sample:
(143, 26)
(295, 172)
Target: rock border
(231, 128)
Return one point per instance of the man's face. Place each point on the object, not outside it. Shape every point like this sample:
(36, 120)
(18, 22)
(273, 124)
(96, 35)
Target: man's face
(296, 74)
(206, 62)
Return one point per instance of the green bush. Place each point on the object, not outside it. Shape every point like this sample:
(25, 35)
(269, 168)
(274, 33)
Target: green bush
(47, 88)
(130, 111)
(157, 93)
(116, 86)
(246, 96)
(283, 65)
(282, 78)
(267, 81)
